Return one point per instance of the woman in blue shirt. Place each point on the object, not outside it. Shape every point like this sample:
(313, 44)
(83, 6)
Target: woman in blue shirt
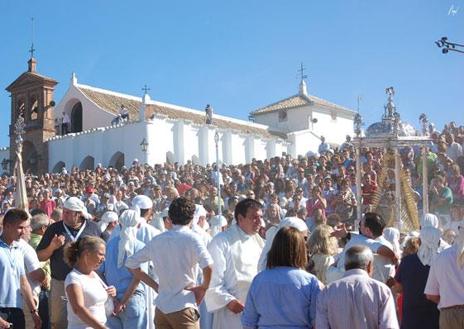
(284, 295)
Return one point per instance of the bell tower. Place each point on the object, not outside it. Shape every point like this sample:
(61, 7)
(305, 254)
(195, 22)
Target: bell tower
(32, 97)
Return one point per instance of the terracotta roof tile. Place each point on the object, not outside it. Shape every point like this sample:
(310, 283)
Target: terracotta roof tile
(112, 103)
(297, 101)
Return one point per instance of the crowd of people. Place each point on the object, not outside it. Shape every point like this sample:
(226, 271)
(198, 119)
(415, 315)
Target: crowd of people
(159, 246)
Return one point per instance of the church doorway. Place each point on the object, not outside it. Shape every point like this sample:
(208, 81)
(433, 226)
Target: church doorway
(76, 118)
(117, 160)
(88, 163)
(58, 168)
(169, 157)
(30, 158)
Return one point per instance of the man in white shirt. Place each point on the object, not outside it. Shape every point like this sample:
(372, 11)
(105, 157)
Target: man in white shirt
(235, 253)
(445, 284)
(66, 123)
(454, 150)
(34, 272)
(14, 286)
(175, 255)
(371, 228)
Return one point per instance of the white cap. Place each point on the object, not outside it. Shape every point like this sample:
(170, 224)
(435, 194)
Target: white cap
(294, 222)
(74, 204)
(109, 217)
(142, 202)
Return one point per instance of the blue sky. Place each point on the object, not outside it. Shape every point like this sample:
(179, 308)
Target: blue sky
(241, 55)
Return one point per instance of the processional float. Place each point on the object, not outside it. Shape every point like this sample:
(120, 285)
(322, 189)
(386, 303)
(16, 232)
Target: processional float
(394, 198)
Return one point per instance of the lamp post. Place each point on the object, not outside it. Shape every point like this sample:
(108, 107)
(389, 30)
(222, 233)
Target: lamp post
(357, 125)
(216, 140)
(5, 163)
(449, 46)
(144, 145)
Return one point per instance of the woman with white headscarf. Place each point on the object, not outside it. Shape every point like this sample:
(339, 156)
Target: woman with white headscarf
(431, 220)
(200, 224)
(411, 277)
(107, 223)
(295, 222)
(130, 303)
(218, 225)
(392, 235)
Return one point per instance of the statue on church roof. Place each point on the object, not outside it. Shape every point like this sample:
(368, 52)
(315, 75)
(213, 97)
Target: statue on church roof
(209, 114)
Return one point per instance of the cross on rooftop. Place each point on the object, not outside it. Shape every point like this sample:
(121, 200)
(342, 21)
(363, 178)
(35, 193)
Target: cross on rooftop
(32, 50)
(32, 38)
(145, 89)
(301, 71)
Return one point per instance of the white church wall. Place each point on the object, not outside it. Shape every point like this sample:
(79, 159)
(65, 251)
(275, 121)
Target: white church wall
(280, 148)
(160, 139)
(333, 127)
(92, 115)
(249, 148)
(297, 119)
(237, 148)
(300, 142)
(101, 144)
(203, 145)
(191, 144)
(260, 149)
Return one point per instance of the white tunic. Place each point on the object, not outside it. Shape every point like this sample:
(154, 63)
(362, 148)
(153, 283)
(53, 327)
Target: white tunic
(235, 255)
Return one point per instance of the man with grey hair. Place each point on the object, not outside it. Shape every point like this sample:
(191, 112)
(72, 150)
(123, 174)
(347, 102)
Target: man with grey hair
(356, 301)
(445, 284)
(73, 226)
(39, 224)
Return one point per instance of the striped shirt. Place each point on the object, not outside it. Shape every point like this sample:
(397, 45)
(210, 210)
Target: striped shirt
(357, 302)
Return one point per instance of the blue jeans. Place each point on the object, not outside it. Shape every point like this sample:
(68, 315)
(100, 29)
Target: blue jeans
(134, 315)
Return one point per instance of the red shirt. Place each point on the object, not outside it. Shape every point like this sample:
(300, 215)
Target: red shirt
(368, 193)
(48, 206)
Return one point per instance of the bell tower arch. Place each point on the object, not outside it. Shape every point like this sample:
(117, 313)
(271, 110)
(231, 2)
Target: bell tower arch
(32, 97)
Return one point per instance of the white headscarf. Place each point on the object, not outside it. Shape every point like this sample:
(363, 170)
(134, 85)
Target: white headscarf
(429, 220)
(200, 211)
(217, 223)
(295, 222)
(108, 217)
(392, 235)
(128, 220)
(430, 241)
(459, 242)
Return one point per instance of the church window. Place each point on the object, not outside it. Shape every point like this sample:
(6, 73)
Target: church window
(282, 115)
(21, 107)
(333, 115)
(34, 108)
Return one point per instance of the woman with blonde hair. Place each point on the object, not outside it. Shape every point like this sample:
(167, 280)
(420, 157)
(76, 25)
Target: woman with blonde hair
(85, 291)
(322, 249)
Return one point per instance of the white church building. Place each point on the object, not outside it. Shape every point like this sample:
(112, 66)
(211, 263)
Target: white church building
(158, 132)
